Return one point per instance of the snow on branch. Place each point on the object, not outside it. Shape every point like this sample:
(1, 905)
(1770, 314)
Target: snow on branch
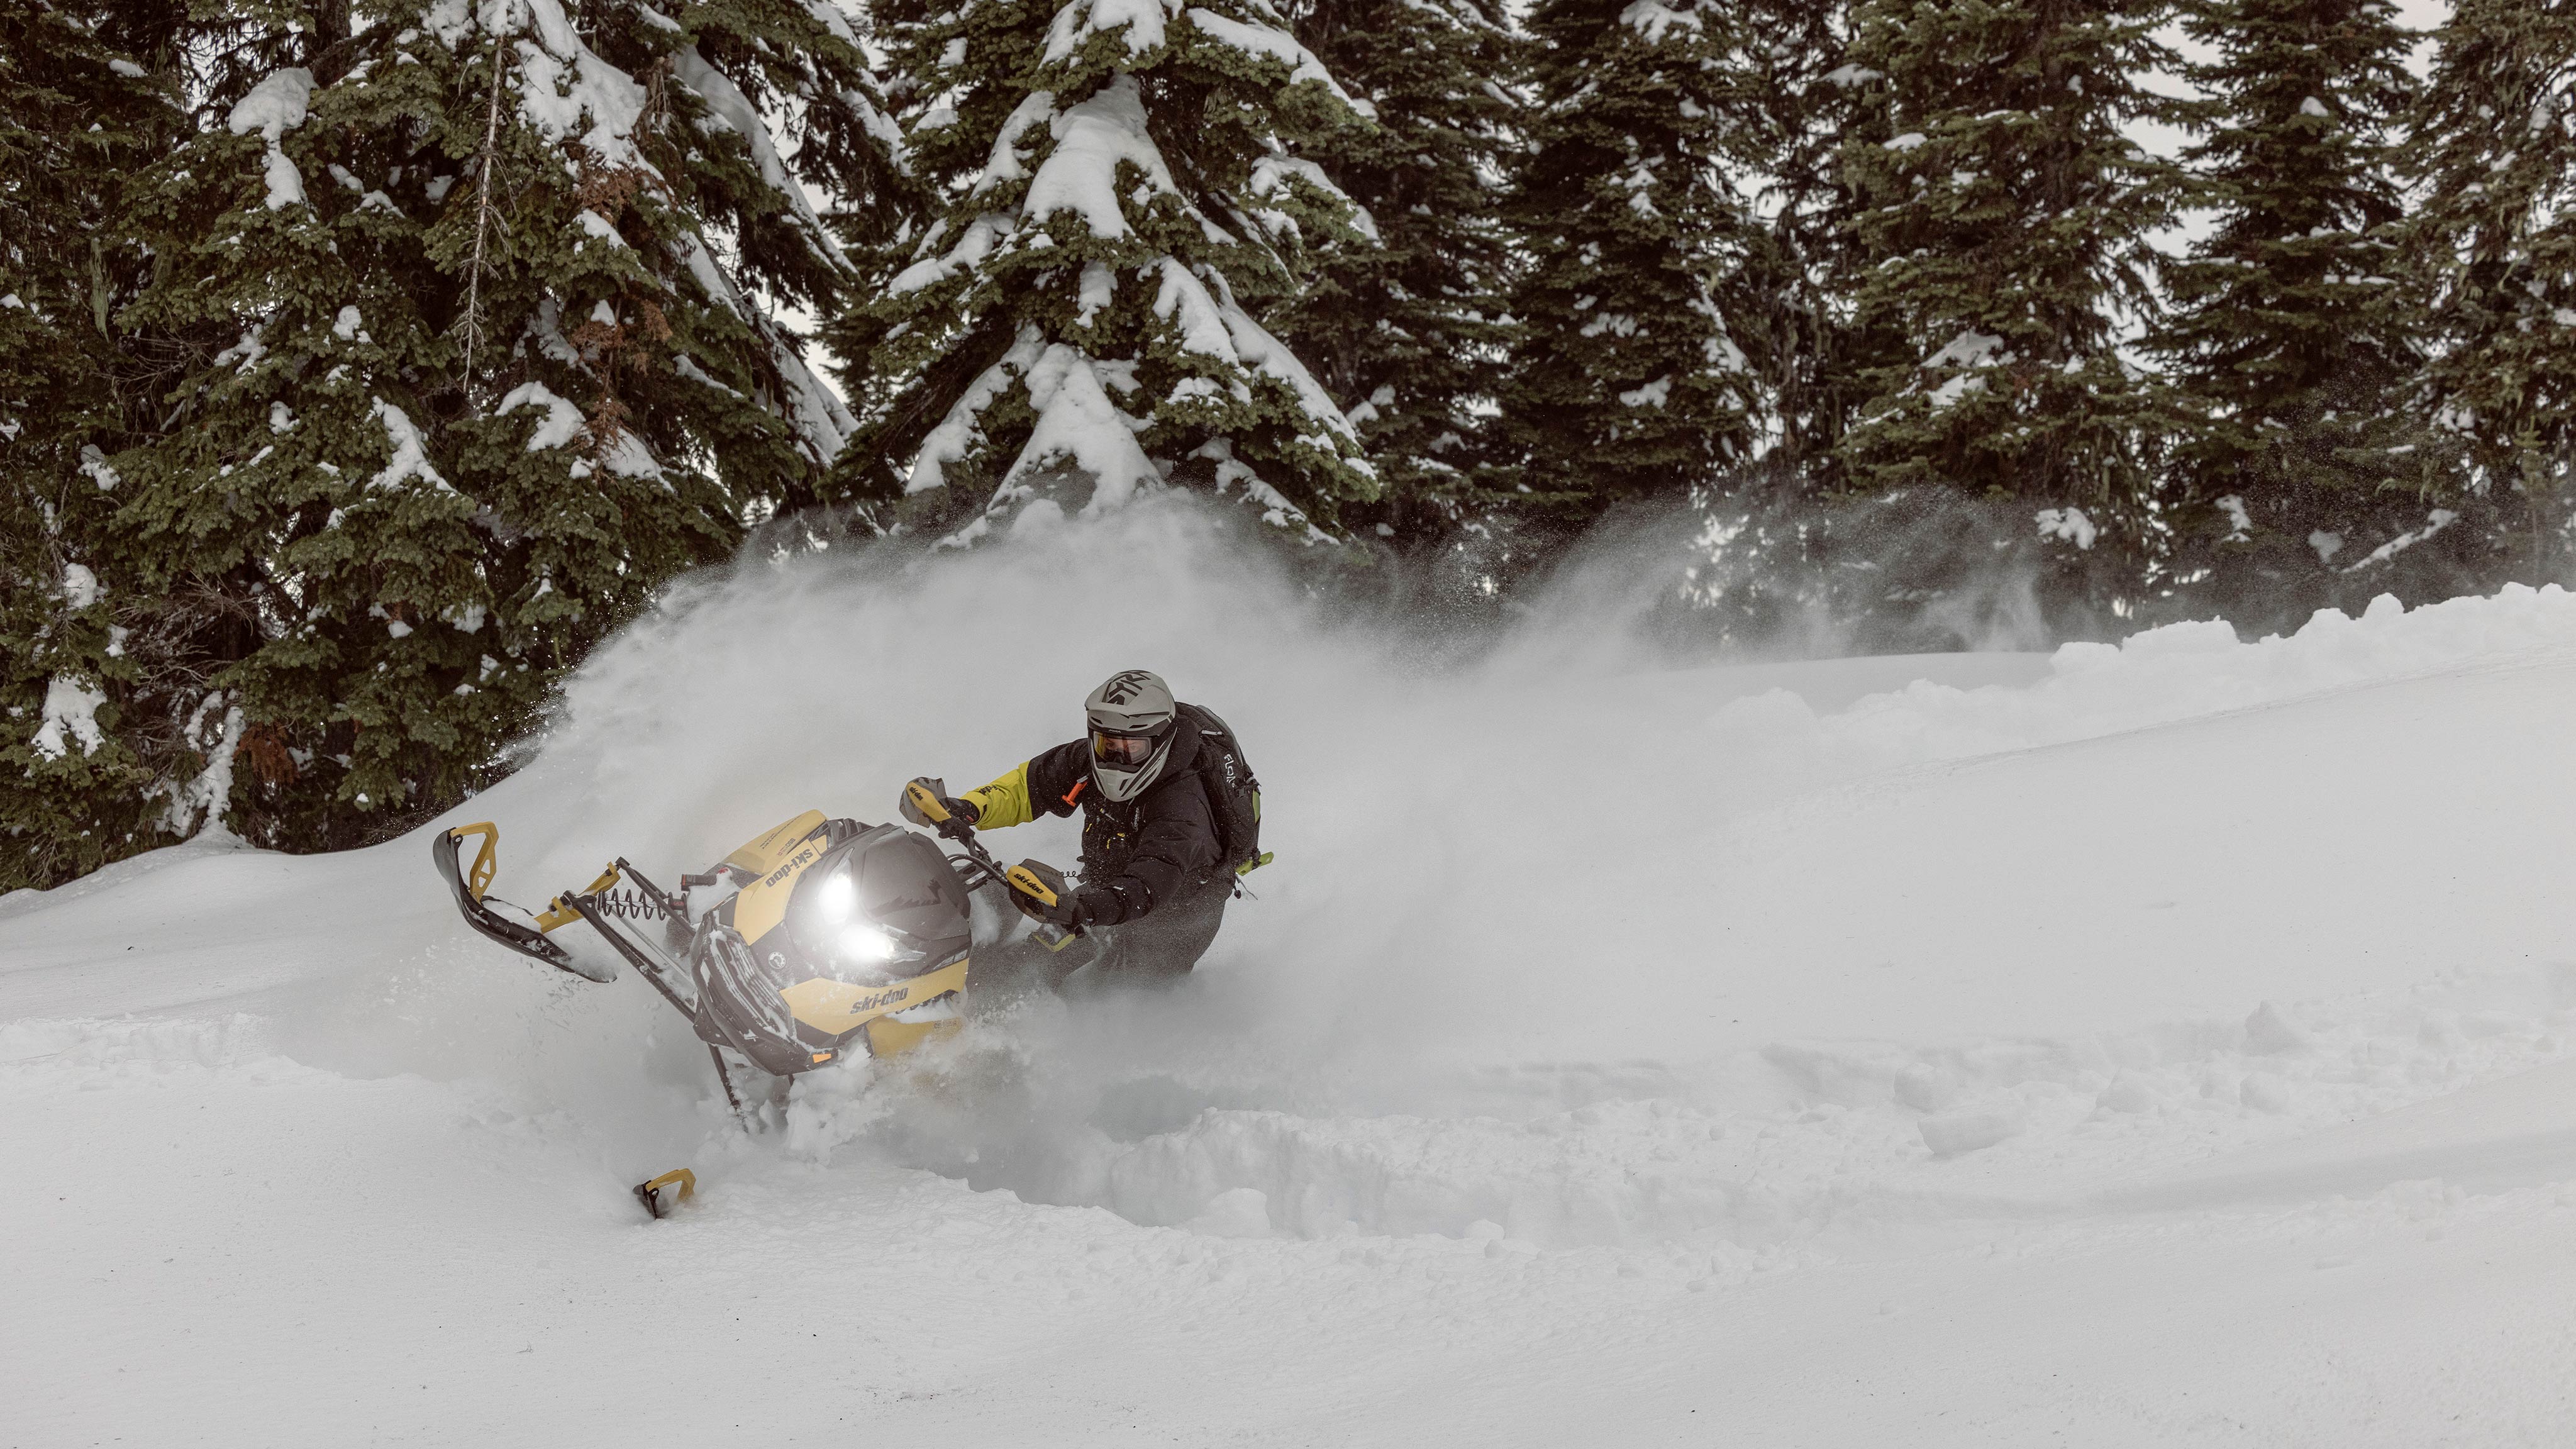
(959, 432)
(1971, 348)
(1081, 174)
(1183, 301)
(1271, 358)
(274, 107)
(561, 424)
(1143, 20)
(71, 706)
(1652, 18)
(693, 254)
(1006, 163)
(2434, 522)
(976, 244)
(821, 420)
(1077, 421)
(212, 791)
(823, 423)
(1264, 42)
(1273, 172)
(736, 111)
(411, 452)
(1213, 325)
(1276, 510)
(566, 90)
(2067, 525)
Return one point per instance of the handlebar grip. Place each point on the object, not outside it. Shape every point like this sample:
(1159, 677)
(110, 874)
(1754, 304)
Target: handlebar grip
(1028, 883)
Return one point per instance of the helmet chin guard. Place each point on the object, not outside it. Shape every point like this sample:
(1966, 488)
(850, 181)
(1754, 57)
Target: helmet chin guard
(1130, 710)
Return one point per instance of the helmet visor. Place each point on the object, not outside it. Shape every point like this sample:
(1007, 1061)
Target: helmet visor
(1122, 751)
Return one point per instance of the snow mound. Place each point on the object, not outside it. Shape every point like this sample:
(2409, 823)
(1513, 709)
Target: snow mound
(2185, 671)
(1601, 1033)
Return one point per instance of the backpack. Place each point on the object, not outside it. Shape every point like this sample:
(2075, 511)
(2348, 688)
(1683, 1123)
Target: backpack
(1234, 795)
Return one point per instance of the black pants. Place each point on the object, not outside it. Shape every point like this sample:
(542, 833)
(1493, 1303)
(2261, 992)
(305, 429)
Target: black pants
(1164, 945)
(1160, 948)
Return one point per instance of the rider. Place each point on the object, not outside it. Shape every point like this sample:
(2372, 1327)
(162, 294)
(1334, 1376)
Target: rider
(1153, 885)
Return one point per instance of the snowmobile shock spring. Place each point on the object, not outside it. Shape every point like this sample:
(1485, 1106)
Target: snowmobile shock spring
(633, 905)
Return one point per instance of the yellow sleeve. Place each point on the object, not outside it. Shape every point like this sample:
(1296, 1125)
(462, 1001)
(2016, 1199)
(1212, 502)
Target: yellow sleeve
(1004, 802)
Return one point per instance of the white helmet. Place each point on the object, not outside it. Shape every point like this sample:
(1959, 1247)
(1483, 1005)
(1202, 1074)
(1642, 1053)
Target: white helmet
(1131, 717)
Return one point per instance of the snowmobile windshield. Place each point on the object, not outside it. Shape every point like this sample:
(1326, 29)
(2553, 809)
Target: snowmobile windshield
(885, 903)
(1123, 752)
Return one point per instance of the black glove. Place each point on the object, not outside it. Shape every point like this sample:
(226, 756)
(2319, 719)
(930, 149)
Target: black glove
(962, 812)
(1065, 914)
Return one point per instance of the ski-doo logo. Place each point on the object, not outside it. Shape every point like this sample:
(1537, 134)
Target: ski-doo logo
(874, 1000)
(1125, 685)
(802, 858)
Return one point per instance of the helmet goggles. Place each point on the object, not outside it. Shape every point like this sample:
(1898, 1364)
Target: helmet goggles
(1121, 751)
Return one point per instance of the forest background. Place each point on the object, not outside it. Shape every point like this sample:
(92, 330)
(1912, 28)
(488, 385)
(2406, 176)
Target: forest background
(363, 365)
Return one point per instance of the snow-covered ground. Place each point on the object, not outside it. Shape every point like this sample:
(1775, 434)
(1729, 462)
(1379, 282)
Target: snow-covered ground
(2161, 1044)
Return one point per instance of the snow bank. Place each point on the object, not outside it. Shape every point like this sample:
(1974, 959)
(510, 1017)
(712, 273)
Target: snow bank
(2178, 672)
(1598, 1027)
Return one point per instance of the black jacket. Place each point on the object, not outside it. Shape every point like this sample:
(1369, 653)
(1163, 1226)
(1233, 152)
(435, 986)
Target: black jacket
(1140, 854)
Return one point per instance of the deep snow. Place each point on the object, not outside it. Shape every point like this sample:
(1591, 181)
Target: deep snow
(2157, 1044)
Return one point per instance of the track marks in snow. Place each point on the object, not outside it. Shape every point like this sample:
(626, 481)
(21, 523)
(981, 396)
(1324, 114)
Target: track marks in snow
(1807, 1143)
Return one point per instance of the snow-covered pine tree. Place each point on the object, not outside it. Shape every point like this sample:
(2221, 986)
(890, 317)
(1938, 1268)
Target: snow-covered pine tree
(2290, 331)
(1787, 553)
(1790, 305)
(2007, 214)
(1123, 192)
(2494, 143)
(85, 102)
(471, 364)
(1408, 329)
(1624, 380)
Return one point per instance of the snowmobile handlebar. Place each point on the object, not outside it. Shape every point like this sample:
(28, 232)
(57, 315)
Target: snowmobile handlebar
(1014, 878)
(945, 821)
(933, 809)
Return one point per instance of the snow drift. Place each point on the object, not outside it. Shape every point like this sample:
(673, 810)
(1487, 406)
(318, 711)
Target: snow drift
(1593, 1014)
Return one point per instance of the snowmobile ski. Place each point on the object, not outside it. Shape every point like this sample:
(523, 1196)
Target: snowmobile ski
(473, 899)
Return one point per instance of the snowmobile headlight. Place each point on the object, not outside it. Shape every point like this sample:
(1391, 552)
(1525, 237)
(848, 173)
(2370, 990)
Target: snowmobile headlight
(865, 943)
(838, 898)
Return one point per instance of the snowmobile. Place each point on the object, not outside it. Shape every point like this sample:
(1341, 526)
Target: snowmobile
(819, 938)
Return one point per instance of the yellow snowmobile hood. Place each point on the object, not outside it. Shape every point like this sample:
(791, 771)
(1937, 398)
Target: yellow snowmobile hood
(777, 857)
